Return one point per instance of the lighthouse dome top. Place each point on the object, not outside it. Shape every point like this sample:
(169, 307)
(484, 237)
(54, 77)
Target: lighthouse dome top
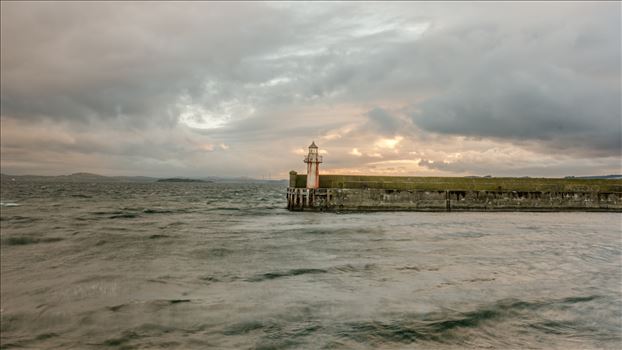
(313, 145)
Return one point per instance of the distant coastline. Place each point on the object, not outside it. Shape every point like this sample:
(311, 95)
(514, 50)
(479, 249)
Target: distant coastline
(93, 178)
(179, 179)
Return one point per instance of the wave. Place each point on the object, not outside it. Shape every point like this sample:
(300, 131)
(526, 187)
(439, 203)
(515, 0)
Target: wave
(24, 240)
(172, 225)
(206, 253)
(352, 268)
(409, 330)
(163, 211)
(106, 212)
(156, 236)
(44, 336)
(157, 211)
(177, 301)
(131, 338)
(338, 231)
(221, 278)
(304, 271)
(288, 273)
(124, 216)
(243, 327)
(447, 327)
(124, 338)
(158, 303)
(135, 212)
(433, 330)
(125, 213)
(20, 219)
(81, 196)
(224, 209)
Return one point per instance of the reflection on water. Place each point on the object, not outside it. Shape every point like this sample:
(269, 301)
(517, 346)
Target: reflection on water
(196, 265)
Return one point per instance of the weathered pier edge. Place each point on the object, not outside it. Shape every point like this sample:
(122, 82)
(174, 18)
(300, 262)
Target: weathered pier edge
(375, 193)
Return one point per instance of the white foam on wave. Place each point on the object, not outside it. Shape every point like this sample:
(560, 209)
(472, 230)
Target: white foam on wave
(3, 204)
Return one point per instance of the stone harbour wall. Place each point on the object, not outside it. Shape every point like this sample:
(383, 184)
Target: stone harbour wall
(370, 199)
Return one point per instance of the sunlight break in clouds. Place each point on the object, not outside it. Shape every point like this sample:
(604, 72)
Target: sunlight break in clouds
(388, 143)
(355, 152)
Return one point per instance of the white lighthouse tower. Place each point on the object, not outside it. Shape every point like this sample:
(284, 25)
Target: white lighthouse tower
(313, 160)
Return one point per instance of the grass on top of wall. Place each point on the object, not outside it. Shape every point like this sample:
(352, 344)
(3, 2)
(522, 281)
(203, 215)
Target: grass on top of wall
(464, 183)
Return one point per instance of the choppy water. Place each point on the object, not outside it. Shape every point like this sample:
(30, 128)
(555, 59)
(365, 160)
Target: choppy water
(189, 265)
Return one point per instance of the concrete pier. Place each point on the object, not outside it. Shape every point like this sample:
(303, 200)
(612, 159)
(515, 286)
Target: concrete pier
(504, 194)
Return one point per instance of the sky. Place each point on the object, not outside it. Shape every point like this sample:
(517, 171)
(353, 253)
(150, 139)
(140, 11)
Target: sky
(242, 88)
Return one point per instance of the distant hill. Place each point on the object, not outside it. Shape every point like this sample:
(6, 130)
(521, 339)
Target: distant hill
(90, 177)
(75, 177)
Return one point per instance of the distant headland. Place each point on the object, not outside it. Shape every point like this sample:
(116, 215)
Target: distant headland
(181, 179)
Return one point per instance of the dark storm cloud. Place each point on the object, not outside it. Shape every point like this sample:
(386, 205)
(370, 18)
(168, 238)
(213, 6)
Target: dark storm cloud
(93, 61)
(557, 109)
(556, 84)
(384, 122)
(381, 122)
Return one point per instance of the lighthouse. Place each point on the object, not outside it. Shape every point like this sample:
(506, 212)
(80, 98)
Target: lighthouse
(313, 160)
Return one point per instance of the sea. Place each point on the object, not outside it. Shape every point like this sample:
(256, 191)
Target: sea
(226, 266)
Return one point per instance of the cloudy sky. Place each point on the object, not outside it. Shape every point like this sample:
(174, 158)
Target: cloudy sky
(241, 89)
